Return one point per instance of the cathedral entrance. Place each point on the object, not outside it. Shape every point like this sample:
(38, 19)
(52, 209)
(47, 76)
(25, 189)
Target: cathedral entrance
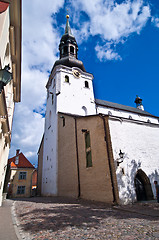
(143, 186)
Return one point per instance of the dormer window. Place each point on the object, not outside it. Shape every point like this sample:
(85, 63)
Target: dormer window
(86, 84)
(16, 160)
(67, 79)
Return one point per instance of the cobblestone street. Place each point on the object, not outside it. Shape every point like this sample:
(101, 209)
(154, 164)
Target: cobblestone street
(64, 218)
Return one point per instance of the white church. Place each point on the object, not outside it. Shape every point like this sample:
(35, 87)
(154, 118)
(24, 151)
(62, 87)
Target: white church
(94, 149)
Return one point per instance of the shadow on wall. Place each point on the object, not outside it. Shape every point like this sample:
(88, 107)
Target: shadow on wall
(125, 180)
(134, 184)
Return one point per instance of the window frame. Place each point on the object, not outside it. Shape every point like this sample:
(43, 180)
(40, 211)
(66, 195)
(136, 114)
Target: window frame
(22, 175)
(21, 190)
(88, 150)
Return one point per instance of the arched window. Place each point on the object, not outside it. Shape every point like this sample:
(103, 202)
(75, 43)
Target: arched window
(66, 78)
(72, 49)
(85, 110)
(86, 84)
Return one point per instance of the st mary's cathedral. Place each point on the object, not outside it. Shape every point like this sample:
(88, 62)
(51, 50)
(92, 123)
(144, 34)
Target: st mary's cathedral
(94, 149)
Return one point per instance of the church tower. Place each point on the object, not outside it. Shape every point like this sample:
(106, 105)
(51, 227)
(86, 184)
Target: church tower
(69, 90)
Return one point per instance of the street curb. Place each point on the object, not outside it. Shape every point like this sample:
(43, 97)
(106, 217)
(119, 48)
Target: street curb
(132, 211)
(18, 230)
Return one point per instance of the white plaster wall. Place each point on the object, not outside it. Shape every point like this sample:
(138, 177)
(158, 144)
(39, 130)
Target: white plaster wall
(5, 59)
(74, 97)
(140, 144)
(125, 114)
(50, 166)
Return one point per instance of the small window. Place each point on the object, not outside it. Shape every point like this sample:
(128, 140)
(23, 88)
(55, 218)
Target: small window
(65, 49)
(88, 150)
(86, 84)
(52, 98)
(22, 175)
(67, 79)
(17, 160)
(109, 113)
(72, 49)
(21, 190)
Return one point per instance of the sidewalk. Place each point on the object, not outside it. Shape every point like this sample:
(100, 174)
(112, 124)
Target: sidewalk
(7, 230)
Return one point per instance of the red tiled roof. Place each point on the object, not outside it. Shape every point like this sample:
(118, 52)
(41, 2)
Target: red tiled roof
(23, 162)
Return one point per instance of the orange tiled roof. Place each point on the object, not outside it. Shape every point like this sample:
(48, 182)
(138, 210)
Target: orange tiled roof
(23, 162)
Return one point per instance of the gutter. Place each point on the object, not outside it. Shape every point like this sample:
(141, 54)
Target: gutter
(77, 157)
(109, 161)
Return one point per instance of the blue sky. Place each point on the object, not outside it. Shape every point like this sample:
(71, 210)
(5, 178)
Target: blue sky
(118, 44)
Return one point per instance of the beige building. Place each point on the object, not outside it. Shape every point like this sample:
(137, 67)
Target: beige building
(10, 84)
(21, 176)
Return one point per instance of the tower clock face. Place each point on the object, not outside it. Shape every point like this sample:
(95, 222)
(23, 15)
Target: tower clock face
(76, 73)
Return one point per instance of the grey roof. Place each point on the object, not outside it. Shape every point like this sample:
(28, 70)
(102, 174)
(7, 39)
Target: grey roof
(70, 62)
(122, 107)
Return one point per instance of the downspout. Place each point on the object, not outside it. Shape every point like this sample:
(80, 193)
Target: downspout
(77, 157)
(110, 167)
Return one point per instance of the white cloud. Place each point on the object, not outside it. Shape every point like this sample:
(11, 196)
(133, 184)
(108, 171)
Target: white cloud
(155, 21)
(106, 52)
(40, 46)
(112, 21)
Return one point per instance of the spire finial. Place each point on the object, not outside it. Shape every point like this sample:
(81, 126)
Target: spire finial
(68, 29)
(67, 16)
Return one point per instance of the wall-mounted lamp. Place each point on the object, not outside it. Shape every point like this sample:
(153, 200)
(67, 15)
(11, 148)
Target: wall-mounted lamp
(120, 160)
(5, 77)
(84, 130)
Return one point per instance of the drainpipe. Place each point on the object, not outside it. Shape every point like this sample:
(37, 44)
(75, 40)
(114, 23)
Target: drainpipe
(77, 157)
(110, 167)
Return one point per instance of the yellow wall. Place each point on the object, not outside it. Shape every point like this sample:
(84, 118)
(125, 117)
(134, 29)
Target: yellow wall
(95, 181)
(14, 180)
(67, 163)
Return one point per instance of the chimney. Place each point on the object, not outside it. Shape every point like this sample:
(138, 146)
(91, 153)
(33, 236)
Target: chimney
(17, 152)
(138, 102)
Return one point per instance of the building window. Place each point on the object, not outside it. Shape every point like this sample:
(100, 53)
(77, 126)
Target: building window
(67, 79)
(72, 49)
(88, 150)
(52, 98)
(22, 175)
(86, 84)
(21, 190)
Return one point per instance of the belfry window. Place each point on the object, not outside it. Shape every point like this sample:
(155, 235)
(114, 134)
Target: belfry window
(88, 150)
(72, 49)
(86, 84)
(66, 78)
(65, 49)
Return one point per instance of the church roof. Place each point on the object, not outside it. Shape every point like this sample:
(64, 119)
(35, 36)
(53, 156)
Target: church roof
(122, 107)
(70, 62)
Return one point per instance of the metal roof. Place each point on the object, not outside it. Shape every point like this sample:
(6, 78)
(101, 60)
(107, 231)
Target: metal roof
(122, 107)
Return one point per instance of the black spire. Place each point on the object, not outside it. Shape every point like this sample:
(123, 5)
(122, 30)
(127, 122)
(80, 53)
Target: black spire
(68, 45)
(68, 50)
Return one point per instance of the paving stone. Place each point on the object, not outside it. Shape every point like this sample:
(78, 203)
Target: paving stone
(58, 218)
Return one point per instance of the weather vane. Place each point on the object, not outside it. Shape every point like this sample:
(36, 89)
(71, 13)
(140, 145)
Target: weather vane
(67, 16)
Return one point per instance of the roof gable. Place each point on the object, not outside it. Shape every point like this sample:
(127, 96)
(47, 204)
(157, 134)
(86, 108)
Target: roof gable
(23, 162)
